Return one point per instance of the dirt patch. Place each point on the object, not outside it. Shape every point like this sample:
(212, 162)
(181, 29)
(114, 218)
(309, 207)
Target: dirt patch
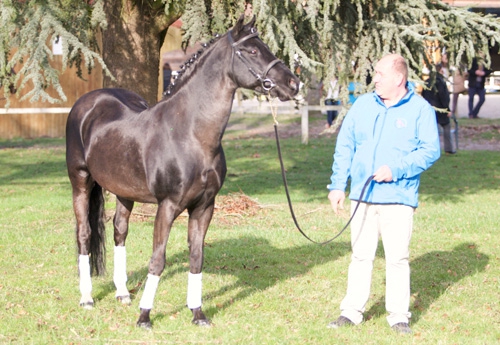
(474, 138)
(229, 209)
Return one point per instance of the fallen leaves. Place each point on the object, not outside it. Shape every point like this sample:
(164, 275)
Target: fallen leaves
(229, 209)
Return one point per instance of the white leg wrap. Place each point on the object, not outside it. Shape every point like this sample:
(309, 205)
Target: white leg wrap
(149, 292)
(120, 272)
(194, 290)
(85, 282)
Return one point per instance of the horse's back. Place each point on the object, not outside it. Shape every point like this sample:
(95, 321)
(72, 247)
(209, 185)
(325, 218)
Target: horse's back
(99, 107)
(94, 109)
(106, 101)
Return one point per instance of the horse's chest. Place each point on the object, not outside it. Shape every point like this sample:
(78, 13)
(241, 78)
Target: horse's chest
(187, 176)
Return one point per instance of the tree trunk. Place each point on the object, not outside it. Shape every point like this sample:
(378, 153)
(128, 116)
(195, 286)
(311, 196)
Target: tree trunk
(131, 46)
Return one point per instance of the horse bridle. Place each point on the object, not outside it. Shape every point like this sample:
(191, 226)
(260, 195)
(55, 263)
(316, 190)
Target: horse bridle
(267, 84)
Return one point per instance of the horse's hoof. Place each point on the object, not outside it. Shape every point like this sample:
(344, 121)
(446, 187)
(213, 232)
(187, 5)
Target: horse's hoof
(202, 323)
(145, 325)
(199, 319)
(125, 300)
(144, 320)
(87, 305)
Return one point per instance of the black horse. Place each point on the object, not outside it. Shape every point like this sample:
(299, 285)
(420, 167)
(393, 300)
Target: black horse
(169, 154)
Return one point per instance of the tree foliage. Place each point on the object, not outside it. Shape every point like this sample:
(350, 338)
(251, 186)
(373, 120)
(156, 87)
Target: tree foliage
(27, 31)
(341, 38)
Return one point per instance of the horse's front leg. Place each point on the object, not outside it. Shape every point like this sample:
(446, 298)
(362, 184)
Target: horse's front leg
(163, 223)
(120, 223)
(199, 221)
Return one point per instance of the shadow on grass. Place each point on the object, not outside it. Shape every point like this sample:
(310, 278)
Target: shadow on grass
(29, 163)
(258, 266)
(255, 263)
(254, 169)
(433, 273)
(466, 173)
(31, 143)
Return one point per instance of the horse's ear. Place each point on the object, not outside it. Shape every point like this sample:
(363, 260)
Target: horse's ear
(251, 23)
(240, 26)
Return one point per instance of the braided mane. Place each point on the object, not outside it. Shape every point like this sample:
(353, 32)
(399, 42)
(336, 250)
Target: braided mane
(188, 67)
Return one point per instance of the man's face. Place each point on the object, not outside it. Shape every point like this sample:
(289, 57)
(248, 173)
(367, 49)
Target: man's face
(386, 79)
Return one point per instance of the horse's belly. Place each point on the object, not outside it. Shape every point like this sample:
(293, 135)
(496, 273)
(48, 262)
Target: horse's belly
(121, 175)
(121, 187)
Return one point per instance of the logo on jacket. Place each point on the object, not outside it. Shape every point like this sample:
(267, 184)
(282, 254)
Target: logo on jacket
(401, 123)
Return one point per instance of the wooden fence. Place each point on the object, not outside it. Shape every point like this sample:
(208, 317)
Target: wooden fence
(51, 122)
(288, 107)
(26, 119)
(33, 122)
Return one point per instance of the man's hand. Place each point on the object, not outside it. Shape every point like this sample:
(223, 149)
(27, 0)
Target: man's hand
(383, 174)
(336, 198)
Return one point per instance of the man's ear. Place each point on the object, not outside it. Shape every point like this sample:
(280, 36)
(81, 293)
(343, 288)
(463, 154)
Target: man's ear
(400, 79)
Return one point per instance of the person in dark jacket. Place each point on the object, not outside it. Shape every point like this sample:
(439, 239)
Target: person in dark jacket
(437, 94)
(477, 77)
(167, 75)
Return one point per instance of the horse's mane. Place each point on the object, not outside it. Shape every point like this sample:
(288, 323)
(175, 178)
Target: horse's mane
(188, 68)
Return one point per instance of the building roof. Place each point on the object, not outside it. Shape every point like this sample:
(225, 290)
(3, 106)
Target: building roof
(474, 3)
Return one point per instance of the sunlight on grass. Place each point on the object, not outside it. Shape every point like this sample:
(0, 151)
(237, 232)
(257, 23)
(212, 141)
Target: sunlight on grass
(263, 282)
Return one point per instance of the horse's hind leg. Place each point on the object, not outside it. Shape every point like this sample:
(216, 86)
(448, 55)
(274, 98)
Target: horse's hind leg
(120, 224)
(82, 186)
(197, 229)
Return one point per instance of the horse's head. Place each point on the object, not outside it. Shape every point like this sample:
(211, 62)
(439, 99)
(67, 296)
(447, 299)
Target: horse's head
(255, 67)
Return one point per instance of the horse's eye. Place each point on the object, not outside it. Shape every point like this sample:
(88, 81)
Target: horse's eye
(253, 51)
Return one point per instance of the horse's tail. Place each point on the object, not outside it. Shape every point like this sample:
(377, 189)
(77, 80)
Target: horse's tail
(97, 231)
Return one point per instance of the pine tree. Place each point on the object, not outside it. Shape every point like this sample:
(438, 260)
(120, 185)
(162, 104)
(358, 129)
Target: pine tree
(27, 31)
(328, 37)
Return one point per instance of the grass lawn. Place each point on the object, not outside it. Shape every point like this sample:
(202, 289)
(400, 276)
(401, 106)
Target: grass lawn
(263, 283)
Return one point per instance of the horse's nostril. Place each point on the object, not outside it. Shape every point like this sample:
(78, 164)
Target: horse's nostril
(293, 84)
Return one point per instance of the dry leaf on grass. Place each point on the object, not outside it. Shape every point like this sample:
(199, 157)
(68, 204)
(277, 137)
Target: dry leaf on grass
(235, 205)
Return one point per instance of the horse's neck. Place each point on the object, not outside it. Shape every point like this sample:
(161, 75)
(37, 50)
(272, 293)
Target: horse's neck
(206, 98)
(212, 111)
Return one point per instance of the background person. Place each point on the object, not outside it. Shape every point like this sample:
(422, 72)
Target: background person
(167, 75)
(477, 78)
(391, 134)
(437, 94)
(459, 74)
(332, 99)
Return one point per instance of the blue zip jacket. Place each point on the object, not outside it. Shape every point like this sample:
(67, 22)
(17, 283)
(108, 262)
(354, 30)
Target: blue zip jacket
(403, 136)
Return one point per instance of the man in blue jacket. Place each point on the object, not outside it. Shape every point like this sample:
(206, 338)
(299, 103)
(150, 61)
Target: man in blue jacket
(392, 135)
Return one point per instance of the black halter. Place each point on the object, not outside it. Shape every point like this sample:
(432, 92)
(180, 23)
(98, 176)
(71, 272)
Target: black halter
(267, 84)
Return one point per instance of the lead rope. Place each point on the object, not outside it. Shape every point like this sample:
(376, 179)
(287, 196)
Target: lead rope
(283, 175)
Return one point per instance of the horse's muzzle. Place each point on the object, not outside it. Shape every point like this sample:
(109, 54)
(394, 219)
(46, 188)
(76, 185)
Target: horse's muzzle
(294, 83)
(288, 90)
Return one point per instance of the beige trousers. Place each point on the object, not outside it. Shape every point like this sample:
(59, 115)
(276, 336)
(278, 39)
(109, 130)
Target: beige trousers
(394, 224)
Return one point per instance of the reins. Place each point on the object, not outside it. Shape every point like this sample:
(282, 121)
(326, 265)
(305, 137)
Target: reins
(267, 84)
(285, 183)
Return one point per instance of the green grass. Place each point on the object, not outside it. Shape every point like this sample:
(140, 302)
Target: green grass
(263, 282)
